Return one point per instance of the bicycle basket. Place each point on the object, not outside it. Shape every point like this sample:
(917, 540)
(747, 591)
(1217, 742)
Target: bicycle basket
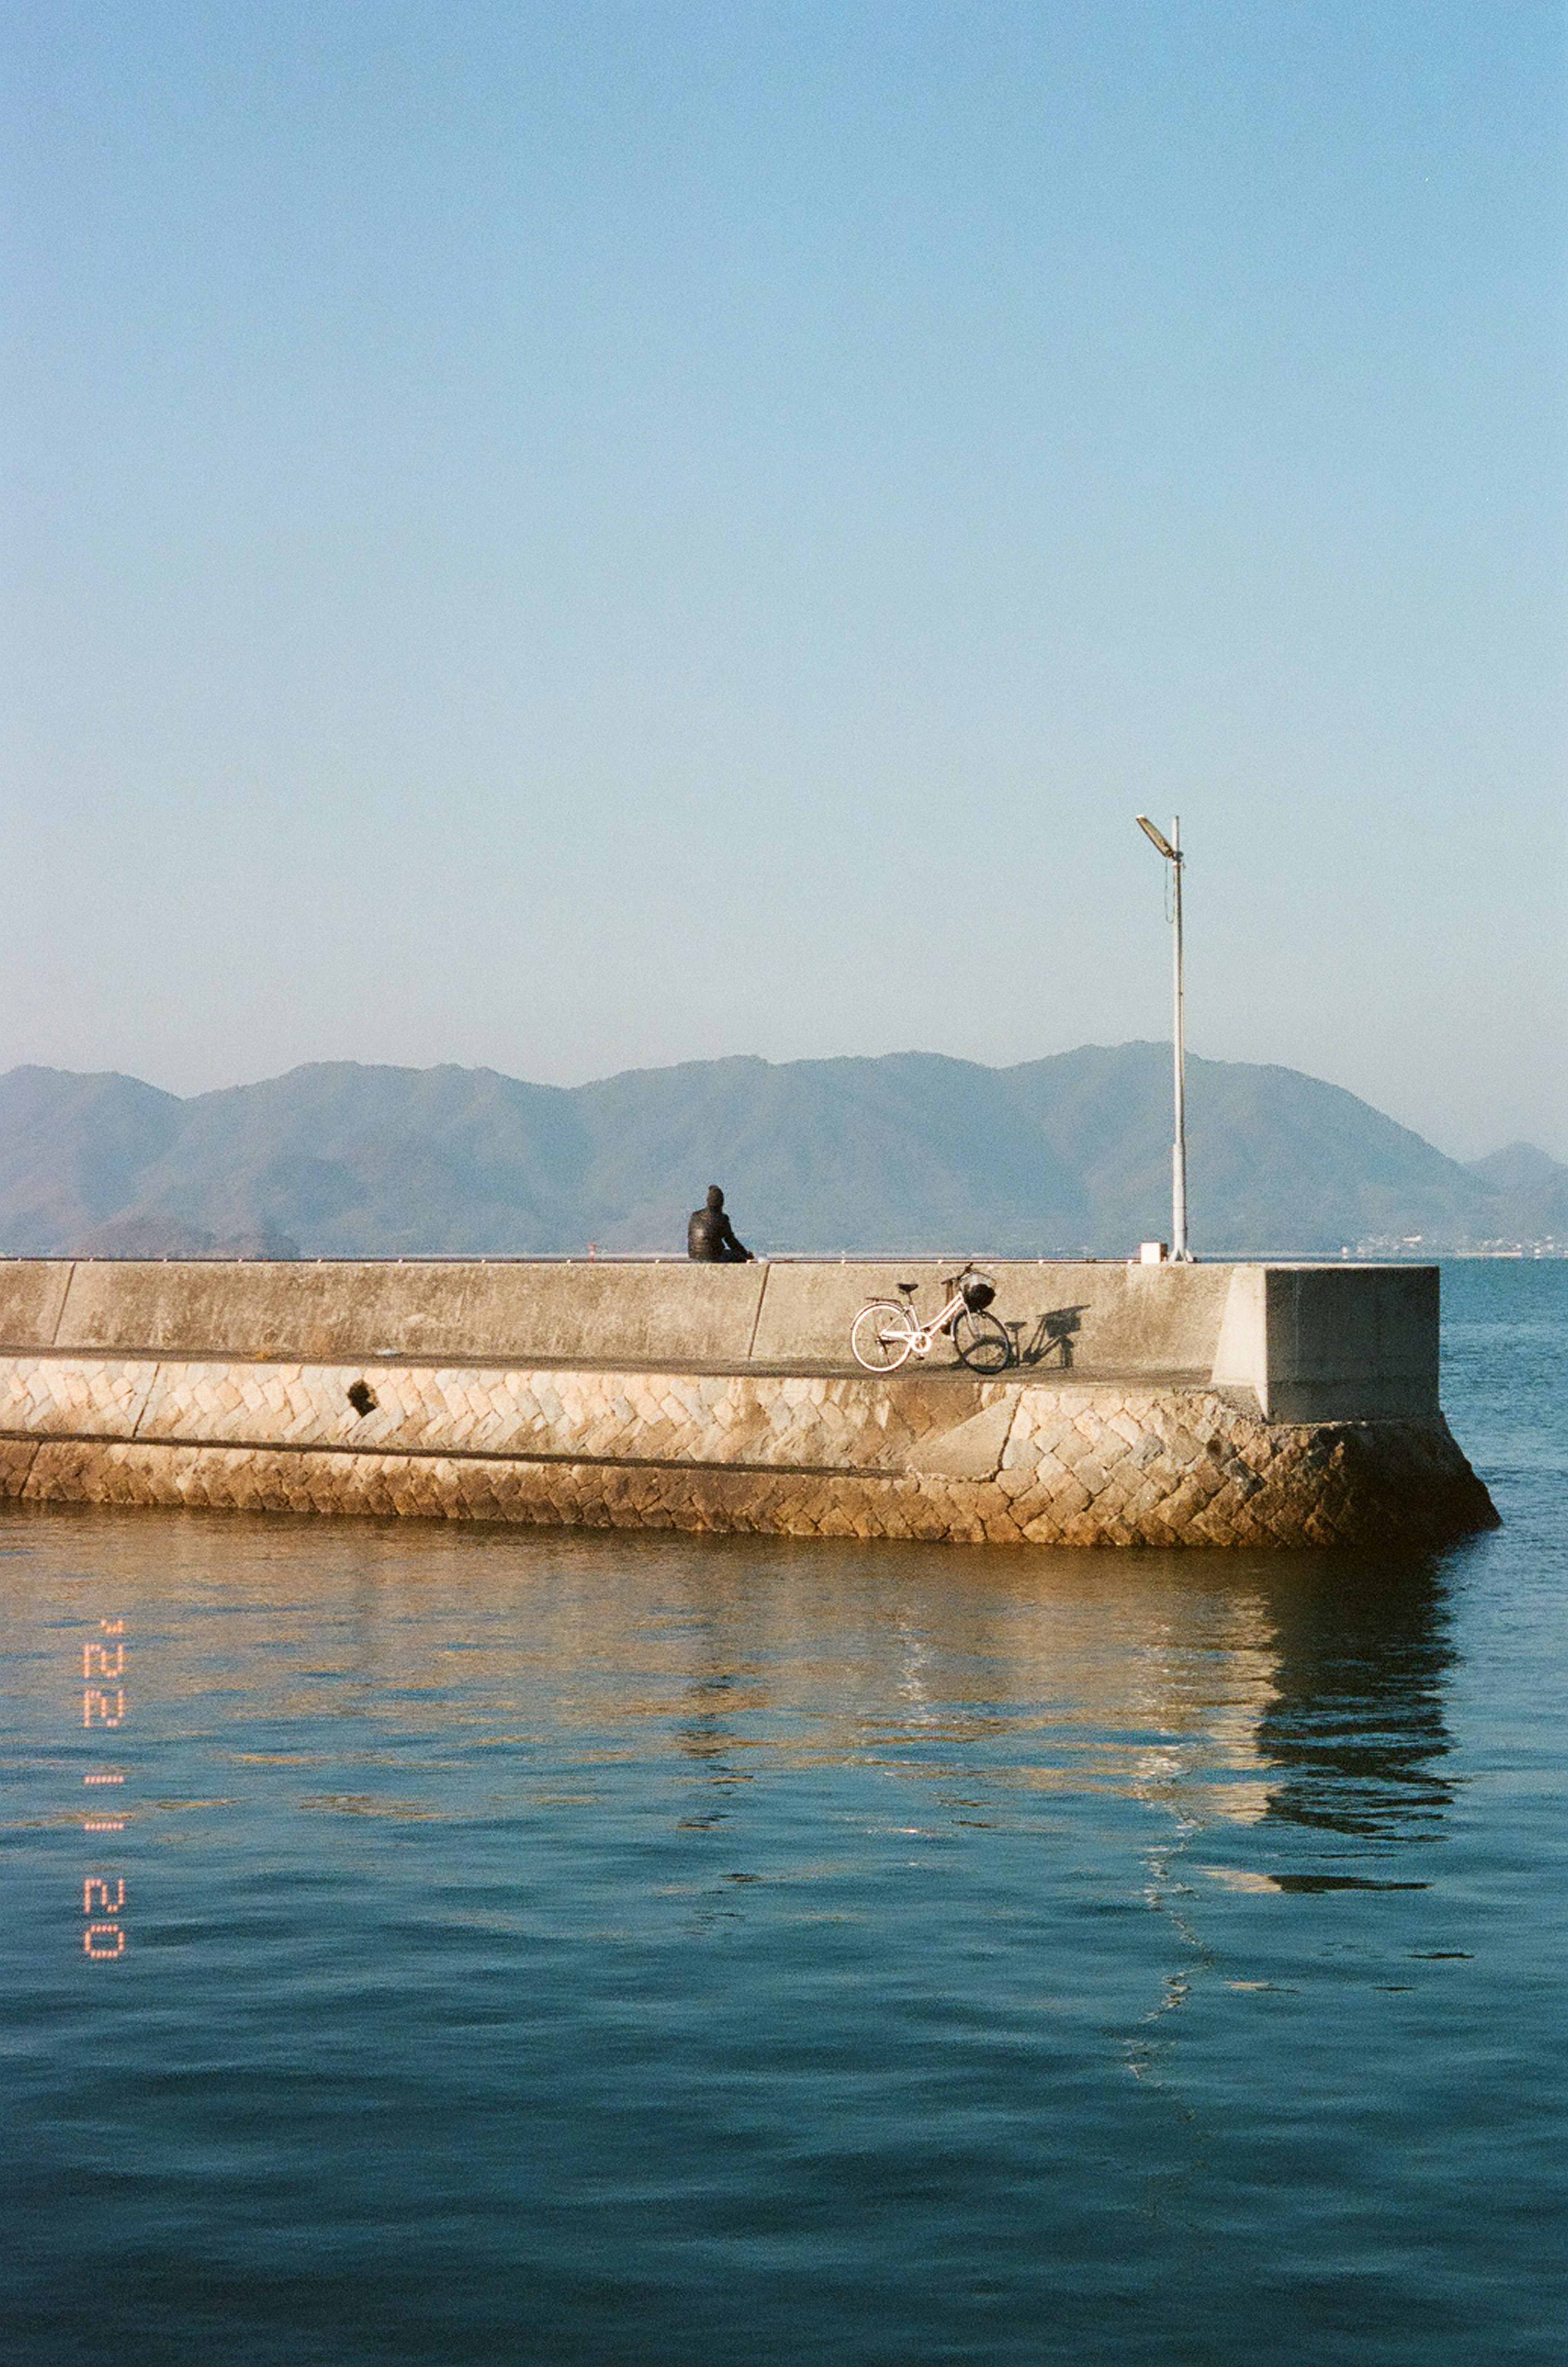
(978, 1292)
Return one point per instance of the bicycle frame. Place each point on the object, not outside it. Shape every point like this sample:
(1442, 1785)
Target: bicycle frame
(925, 1335)
(887, 1331)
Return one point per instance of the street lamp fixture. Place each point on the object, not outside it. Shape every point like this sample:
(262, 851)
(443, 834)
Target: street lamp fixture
(1171, 849)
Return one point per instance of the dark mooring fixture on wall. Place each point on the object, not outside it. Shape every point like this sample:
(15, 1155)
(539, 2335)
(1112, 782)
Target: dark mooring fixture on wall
(362, 1398)
(1171, 849)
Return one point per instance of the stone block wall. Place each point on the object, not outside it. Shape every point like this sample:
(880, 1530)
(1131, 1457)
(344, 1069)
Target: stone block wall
(1014, 1461)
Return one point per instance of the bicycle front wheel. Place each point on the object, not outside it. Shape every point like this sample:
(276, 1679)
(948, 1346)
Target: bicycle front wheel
(981, 1343)
(883, 1336)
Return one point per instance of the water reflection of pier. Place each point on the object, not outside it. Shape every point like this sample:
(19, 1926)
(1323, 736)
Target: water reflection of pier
(1304, 1692)
(1355, 1733)
(1311, 1694)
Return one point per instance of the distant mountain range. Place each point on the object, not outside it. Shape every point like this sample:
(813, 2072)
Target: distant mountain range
(1064, 1156)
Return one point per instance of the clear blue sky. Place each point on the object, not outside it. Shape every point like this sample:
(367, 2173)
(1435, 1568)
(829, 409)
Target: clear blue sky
(576, 536)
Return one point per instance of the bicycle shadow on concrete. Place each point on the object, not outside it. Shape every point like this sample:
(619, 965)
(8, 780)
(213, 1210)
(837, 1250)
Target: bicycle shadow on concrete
(1052, 1337)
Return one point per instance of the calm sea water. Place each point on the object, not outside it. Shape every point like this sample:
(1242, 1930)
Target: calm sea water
(575, 1948)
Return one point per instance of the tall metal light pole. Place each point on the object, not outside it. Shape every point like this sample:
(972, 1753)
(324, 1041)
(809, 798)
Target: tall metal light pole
(1171, 849)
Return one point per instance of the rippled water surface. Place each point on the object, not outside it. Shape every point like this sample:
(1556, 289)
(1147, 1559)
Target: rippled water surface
(551, 1947)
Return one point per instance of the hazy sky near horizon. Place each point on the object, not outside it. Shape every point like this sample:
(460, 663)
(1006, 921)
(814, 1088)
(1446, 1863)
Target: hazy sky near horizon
(574, 537)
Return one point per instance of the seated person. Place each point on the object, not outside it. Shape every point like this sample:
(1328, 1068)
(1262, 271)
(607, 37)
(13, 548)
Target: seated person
(711, 1235)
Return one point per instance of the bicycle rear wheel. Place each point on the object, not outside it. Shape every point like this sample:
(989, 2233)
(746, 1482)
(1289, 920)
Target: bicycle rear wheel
(981, 1342)
(883, 1335)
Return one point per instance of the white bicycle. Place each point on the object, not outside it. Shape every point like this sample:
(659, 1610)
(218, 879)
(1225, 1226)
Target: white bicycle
(887, 1331)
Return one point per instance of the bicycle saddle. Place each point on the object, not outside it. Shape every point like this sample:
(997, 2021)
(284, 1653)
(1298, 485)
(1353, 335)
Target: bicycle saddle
(909, 1287)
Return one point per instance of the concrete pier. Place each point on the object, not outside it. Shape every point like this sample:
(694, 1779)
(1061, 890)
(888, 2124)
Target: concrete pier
(1167, 1405)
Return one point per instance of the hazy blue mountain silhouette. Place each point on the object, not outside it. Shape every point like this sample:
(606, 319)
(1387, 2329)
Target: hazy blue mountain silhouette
(910, 1151)
(74, 1149)
(1531, 1187)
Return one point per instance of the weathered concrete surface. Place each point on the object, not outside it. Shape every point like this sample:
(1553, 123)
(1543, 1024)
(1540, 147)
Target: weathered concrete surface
(1137, 1318)
(67, 1396)
(32, 1294)
(1170, 1405)
(1006, 1461)
(1101, 1315)
(824, 1423)
(431, 1307)
(1352, 1343)
(1308, 1343)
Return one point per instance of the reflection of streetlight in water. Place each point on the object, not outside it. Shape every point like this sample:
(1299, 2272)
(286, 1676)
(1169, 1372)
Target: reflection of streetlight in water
(1343, 1745)
(709, 1736)
(1357, 1730)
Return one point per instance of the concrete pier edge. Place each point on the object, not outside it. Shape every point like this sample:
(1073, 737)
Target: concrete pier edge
(1202, 1405)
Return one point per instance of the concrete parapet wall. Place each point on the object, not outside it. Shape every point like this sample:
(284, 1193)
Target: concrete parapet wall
(1102, 1316)
(1317, 1342)
(32, 1299)
(434, 1308)
(1297, 1342)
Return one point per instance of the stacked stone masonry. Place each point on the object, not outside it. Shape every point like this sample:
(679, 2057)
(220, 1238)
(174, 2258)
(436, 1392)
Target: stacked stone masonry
(1004, 1462)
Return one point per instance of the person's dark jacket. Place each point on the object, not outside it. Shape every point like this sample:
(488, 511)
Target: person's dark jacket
(711, 1236)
